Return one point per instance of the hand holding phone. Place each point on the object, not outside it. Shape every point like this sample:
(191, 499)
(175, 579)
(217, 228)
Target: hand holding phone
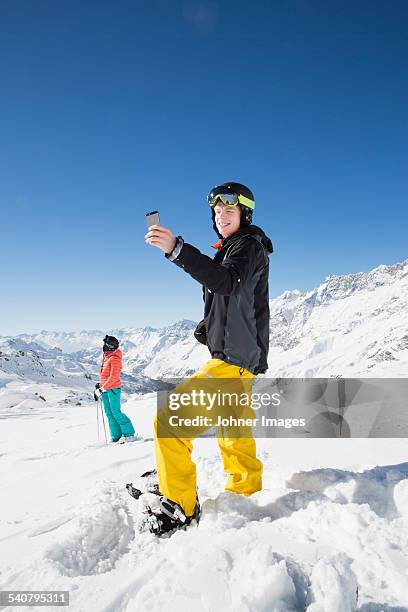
(160, 237)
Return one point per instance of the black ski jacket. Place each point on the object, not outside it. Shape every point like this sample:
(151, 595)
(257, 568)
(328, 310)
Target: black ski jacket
(235, 326)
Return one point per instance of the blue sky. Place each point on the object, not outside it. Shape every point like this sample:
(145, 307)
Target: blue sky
(111, 109)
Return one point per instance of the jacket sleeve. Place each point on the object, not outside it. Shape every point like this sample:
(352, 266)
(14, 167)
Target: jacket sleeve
(225, 277)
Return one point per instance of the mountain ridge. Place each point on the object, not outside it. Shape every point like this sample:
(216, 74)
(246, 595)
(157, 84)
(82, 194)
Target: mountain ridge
(350, 325)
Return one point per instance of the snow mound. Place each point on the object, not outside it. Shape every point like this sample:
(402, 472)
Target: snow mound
(13, 403)
(99, 536)
(232, 571)
(401, 498)
(264, 580)
(374, 487)
(334, 585)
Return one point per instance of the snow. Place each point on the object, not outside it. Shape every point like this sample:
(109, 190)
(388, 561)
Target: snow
(327, 520)
(337, 572)
(331, 521)
(400, 495)
(99, 536)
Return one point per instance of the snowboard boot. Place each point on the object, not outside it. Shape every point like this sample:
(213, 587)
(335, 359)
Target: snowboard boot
(162, 515)
(168, 516)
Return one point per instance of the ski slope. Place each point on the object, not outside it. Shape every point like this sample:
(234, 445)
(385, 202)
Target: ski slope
(333, 516)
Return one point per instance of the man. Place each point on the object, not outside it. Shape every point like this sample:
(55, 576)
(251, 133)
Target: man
(235, 329)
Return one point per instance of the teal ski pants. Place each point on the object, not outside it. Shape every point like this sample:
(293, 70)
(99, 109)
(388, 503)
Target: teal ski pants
(119, 424)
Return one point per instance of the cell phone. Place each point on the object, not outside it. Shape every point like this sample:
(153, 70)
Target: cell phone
(152, 218)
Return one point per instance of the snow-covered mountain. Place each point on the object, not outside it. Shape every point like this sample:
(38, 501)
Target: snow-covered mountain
(29, 358)
(155, 352)
(351, 325)
(149, 354)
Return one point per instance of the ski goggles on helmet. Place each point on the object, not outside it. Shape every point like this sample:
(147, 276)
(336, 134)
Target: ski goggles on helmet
(110, 343)
(229, 199)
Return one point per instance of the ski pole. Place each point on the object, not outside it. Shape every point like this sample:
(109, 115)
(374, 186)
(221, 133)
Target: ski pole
(103, 421)
(97, 419)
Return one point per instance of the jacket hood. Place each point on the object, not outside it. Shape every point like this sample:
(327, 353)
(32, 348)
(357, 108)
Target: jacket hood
(252, 230)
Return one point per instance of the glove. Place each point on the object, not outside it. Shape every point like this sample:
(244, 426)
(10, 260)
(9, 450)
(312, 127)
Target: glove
(200, 332)
(97, 395)
(97, 386)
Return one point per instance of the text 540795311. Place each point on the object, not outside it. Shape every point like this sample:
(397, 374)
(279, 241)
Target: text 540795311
(34, 598)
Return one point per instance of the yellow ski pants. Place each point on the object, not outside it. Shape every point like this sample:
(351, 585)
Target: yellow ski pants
(177, 471)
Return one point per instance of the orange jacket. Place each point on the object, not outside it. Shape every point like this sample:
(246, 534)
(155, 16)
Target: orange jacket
(109, 377)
